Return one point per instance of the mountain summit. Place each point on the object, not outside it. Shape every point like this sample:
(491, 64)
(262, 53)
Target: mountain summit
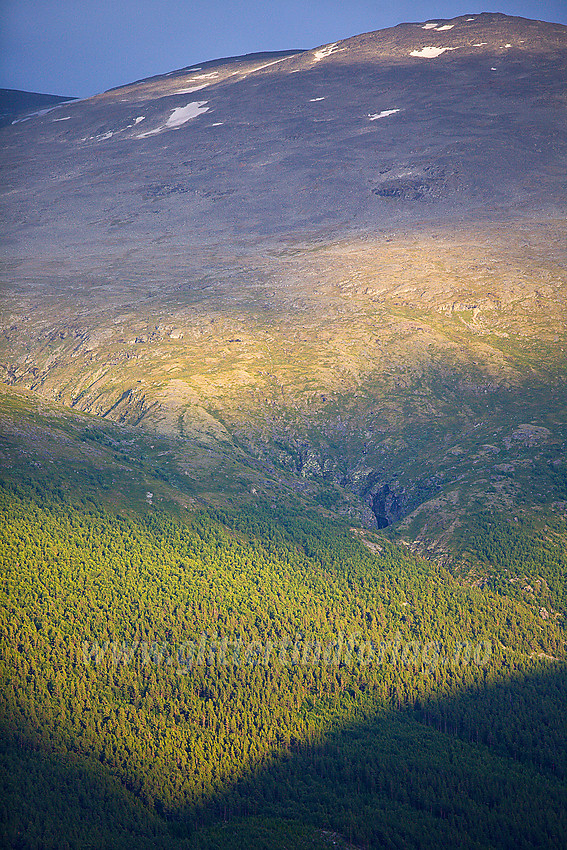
(418, 122)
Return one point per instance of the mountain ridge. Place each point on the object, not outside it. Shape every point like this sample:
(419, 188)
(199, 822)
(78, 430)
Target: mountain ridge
(17, 105)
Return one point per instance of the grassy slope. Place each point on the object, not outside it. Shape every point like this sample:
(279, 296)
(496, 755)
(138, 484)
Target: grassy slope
(273, 402)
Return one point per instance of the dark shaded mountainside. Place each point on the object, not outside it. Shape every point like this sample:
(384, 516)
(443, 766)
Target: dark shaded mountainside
(18, 105)
(283, 366)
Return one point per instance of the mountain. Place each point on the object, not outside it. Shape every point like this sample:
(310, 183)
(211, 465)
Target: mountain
(283, 354)
(20, 105)
(347, 262)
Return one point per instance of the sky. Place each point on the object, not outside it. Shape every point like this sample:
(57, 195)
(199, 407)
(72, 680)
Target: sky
(82, 47)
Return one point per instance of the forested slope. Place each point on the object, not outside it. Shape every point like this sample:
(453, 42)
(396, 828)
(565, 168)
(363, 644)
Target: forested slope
(163, 675)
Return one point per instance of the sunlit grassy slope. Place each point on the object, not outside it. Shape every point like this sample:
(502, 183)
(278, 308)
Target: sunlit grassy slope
(219, 460)
(291, 373)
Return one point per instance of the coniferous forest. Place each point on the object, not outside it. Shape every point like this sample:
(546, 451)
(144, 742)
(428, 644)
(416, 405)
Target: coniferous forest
(264, 679)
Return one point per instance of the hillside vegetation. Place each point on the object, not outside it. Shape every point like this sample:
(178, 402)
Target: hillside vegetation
(168, 669)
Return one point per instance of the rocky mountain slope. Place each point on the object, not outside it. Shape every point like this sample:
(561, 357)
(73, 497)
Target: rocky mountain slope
(344, 269)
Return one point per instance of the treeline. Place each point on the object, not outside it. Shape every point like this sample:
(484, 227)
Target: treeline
(119, 664)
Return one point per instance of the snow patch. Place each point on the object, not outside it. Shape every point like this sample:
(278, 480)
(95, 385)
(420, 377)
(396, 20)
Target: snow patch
(218, 124)
(316, 99)
(434, 25)
(139, 118)
(179, 116)
(182, 114)
(35, 114)
(383, 114)
(191, 90)
(202, 76)
(326, 51)
(431, 52)
(480, 44)
(67, 118)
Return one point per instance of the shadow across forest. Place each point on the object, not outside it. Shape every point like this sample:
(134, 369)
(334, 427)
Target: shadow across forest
(397, 751)
(483, 768)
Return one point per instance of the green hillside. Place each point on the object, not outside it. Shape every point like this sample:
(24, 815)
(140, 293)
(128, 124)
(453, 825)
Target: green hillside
(205, 676)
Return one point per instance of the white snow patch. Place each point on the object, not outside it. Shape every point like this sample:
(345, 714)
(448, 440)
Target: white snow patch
(218, 124)
(67, 118)
(103, 136)
(139, 118)
(507, 45)
(34, 114)
(179, 116)
(470, 19)
(63, 103)
(182, 114)
(202, 76)
(191, 90)
(267, 65)
(480, 44)
(316, 99)
(431, 52)
(383, 114)
(326, 51)
(434, 25)
(493, 69)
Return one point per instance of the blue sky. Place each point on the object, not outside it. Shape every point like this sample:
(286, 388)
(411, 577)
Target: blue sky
(81, 47)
